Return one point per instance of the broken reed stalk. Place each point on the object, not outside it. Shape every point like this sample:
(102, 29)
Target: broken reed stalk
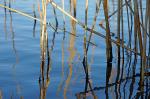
(31, 17)
(108, 37)
(20, 12)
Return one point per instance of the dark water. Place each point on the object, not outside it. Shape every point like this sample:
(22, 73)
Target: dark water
(20, 60)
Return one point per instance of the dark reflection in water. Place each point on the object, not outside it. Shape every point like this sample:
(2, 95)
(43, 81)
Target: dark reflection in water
(13, 34)
(44, 81)
(34, 25)
(108, 75)
(133, 80)
(131, 77)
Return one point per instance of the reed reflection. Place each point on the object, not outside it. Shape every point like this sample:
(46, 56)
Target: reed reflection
(44, 78)
(87, 94)
(88, 90)
(140, 94)
(117, 77)
(34, 25)
(108, 75)
(5, 20)
(44, 81)
(127, 65)
(13, 34)
(45, 67)
(133, 79)
(62, 74)
(72, 50)
(1, 95)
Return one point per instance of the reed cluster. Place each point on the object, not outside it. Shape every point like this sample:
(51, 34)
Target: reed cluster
(137, 35)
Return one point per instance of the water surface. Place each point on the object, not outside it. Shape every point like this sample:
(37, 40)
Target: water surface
(20, 60)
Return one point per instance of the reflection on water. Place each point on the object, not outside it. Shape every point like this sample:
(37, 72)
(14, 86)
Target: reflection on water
(72, 51)
(44, 81)
(1, 94)
(5, 20)
(13, 33)
(83, 71)
(62, 70)
(34, 25)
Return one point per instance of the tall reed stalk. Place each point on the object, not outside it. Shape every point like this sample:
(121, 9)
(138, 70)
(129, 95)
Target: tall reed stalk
(86, 20)
(137, 26)
(147, 27)
(108, 37)
(43, 30)
(129, 18)
(138, 31)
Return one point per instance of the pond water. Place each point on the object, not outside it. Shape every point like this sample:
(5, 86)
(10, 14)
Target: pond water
(64, 76)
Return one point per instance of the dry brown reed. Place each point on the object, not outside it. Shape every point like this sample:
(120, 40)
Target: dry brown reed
(72, 50)
(43, 30)
(108, 37)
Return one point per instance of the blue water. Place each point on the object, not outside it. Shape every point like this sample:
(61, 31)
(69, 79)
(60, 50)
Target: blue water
(20, 58)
